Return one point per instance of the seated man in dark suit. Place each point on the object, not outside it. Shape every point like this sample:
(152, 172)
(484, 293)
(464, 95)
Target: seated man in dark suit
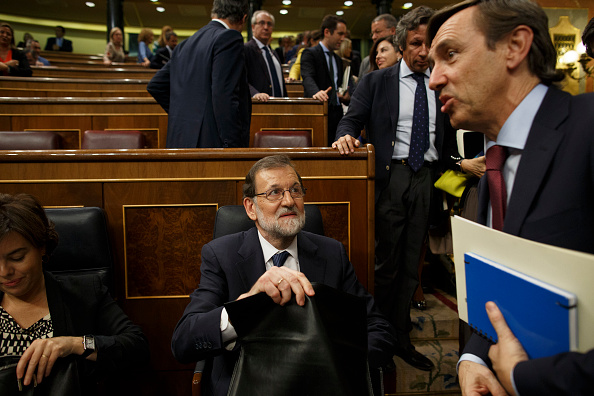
(59, 43)
(164, 54)
(244, 264)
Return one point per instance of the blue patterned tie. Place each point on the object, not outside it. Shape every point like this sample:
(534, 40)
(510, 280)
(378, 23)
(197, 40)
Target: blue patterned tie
(419, 140)
(279, 258)
(276, 89)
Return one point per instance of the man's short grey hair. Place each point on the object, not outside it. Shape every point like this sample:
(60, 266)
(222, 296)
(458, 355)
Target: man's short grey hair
(260, 12)
(233, 10)
(411, 21)
(270, 162)
(169, 34)
(389, 19)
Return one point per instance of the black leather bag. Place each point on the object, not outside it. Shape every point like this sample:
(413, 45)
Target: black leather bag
(319, 349)
(62, 381)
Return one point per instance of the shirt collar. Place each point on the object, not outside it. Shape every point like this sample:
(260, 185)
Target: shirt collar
(222, 23)
(514, 132)
(324, 47)
(405, 70)
(260, 44)
(268, 250)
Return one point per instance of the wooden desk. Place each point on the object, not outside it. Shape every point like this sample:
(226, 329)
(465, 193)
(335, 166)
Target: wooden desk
(283, 114)
(294, 89)
(160, 207)
(71, 116)
(76, 93)
(65, 83)
(92, 72)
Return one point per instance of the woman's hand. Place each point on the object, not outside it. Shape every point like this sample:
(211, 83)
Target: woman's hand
(43, 353)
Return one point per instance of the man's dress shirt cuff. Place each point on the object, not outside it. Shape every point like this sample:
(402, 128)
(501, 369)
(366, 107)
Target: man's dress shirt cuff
(228, 333)
(473, 358)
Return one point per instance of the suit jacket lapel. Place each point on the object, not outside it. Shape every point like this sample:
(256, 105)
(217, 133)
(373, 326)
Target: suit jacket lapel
(312, 266)
(250, 260)
(392, 90)
(537, 157)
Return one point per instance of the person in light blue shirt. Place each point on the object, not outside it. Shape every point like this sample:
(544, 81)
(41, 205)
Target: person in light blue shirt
(145, 40)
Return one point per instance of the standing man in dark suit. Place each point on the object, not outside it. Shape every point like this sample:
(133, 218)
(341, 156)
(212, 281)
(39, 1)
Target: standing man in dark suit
(204, 87)
(265, 74)
(59, 43)
(385, 104)
(322, 72)
(163, 55)
(240, 265)
(494, 65)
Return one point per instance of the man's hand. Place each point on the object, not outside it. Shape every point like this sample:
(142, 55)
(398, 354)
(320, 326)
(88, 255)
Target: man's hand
(280, 284)
(261, 97)
(508, 351)
(345, 97)
(322, 95)
(475, 166)
(346, 144)
(43, 353)
(476, 379)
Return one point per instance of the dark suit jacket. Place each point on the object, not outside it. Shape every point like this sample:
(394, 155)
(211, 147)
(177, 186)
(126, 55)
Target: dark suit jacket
(315, 72)
(82, 306)
(23, 69)
(160, 59)
(257, 70)
(230, 267)
(552, 202)
(66, 44)
(374, 106)
(204, 90)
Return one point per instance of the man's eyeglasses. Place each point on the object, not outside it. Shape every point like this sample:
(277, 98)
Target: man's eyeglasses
(267, 23)
(276, 194)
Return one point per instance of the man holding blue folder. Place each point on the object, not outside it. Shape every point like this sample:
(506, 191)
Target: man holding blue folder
(494, 66)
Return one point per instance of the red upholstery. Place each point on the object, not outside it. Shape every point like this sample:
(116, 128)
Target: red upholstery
(112, 140)
(29, 140)
(285, 138)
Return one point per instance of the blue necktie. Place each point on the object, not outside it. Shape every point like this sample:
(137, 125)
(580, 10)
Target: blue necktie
(279, 258)
(419, 140)
(276, 89)
(333, 97)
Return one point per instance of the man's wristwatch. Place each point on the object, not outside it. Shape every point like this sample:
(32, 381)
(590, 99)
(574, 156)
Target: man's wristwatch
(88, 345)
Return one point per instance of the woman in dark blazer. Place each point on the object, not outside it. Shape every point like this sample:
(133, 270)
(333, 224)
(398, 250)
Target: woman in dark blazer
(13, 62)
(48, 320)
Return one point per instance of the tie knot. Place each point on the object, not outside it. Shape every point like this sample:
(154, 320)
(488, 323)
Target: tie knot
(495, 157)
(419, 78)
(279, 258)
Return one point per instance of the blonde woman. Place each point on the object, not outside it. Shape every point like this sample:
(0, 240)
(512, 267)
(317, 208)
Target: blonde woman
(114, 51)
(145, 39)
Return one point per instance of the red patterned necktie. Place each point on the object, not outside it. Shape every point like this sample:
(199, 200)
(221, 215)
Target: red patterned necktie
(496, 156)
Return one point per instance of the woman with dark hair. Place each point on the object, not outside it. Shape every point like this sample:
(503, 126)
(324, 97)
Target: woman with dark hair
(13, 62)
(47, 322)
(145, 41)
(384, 53)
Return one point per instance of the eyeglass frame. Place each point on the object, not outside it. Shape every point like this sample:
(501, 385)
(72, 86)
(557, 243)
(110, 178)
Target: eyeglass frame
(282, 196)
(267, 23)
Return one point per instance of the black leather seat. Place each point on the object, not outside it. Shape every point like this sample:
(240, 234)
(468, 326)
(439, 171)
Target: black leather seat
(233, 218)
(84, 246)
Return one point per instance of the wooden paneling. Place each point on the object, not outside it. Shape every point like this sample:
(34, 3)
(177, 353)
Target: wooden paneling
(160, 207)
(84, 93)
(66, 105)
(294, 89)
(301, 113)
(55, 83)
(92, 72)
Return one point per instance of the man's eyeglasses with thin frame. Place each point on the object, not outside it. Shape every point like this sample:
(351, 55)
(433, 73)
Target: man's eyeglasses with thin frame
(277, 194)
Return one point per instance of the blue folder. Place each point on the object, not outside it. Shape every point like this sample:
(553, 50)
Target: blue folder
(543, 317)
